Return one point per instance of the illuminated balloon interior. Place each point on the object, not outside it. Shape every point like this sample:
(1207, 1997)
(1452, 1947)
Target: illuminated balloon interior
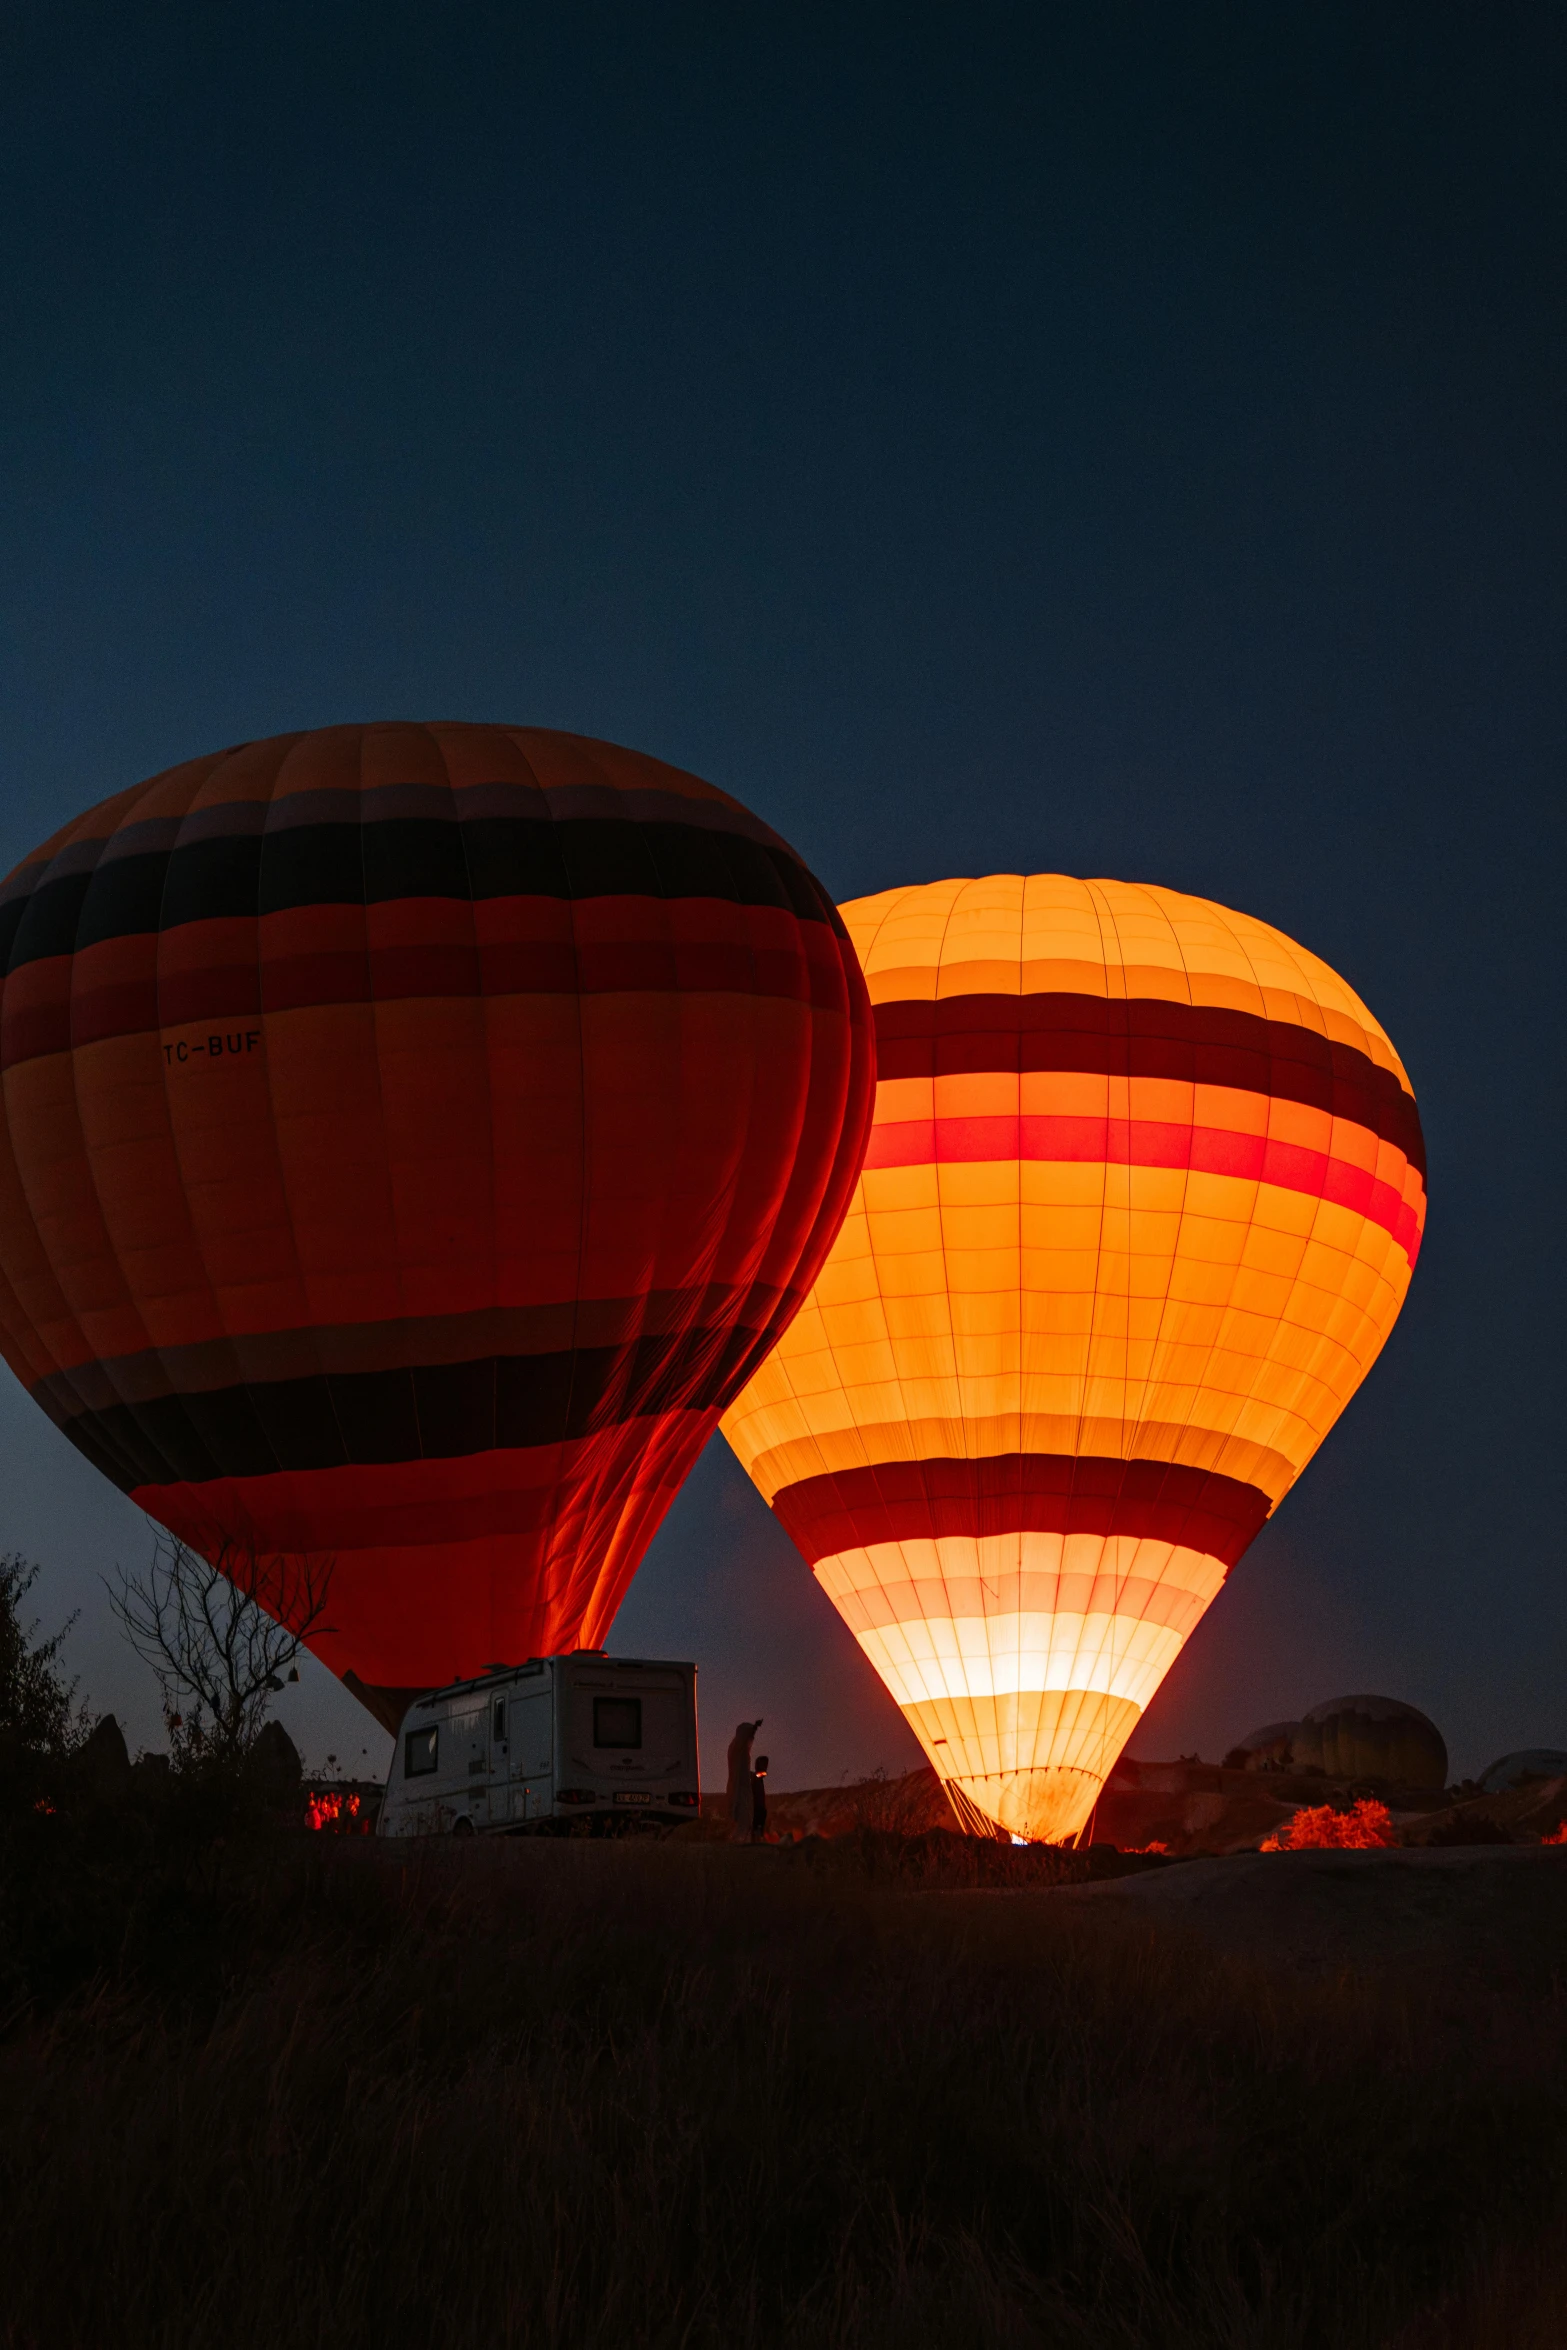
(1143, 1194)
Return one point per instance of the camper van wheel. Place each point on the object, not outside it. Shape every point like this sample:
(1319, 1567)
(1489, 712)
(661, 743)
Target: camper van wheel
(462, 1827)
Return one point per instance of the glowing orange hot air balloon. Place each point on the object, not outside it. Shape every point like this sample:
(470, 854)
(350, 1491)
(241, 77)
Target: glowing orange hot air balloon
(413, 1137)
(1141, 1201)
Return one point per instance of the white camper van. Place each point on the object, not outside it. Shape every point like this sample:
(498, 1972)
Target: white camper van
(584, 1743)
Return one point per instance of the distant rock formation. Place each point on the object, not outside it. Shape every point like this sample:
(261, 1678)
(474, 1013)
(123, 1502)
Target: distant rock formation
(273, 1767)
(101, 1766)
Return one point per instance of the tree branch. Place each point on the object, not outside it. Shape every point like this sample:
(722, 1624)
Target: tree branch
(219, 1632)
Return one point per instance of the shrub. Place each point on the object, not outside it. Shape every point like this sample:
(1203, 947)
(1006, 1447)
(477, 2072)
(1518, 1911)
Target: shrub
(38, 1713)
(1365, 1827)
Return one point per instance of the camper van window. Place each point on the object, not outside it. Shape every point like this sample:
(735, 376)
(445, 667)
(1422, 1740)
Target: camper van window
(500, 1721)
(419, 1753)
(617, 1721)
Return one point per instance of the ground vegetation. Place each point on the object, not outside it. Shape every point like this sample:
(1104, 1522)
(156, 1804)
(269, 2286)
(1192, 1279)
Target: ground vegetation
(292, 2090)
(1361, 1826)
(39, 1713)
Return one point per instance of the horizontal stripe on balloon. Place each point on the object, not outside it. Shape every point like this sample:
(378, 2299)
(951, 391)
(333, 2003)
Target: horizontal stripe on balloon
(914, 1501)
(1148, 1142)
(506, 1496)
(436, 1411)
(833, 1444)
(370, 864)
(230, 991)
(1146, 1037)
(115, 829)
(1024, 1656)
(1046, 1728)
(1129, 1598)
(408, 1342)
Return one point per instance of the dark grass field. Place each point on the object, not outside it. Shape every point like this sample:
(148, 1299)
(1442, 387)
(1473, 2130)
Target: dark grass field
(289, 2091)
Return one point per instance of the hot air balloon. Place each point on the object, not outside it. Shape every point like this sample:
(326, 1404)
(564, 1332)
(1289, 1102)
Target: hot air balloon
(1141, 1202)
(1530, 1762)
(1269, 1749)
(1371, 1738)
(413, 1136)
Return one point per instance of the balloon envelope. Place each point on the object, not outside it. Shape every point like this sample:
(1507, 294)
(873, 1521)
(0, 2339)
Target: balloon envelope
(1530, 1762)
(1269, 1748)
(1140, 1204)
(413, 1136)
(1371, 1738)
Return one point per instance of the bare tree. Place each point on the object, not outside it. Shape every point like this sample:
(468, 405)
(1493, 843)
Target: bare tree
(219, 1633)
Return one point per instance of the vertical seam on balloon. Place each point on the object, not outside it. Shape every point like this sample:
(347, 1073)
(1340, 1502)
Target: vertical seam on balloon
(870, 1234)
(1156, 899)
(946, 1293)
(81, 1129)
(548, 1561)
(731, 1189)
(1129, 1549)
(84, 1362)
(1296, 1277)
(88, 1358)
(664, 1445)
(1228, 1306)
(482, 1011)
(25, 1321)
(743, 920)
(236, 1533)
(518, 738)
(380, 1095)
(1104, 1185)
(623, 1451)
(267, 1071)
(631, 1445)
(307, 1322)
(1020, 1539)
(1100, 914)
(628, 1457)
(936, 1180)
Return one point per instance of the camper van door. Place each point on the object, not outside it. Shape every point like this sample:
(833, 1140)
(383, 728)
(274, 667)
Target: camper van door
(532, 1752)
(463, 1779)
(498, 1810)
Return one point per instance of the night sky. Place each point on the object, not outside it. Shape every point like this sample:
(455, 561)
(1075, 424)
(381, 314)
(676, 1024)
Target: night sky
(1125, 442)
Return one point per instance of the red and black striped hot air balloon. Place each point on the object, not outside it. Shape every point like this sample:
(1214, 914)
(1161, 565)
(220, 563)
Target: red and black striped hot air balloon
(413, 1138)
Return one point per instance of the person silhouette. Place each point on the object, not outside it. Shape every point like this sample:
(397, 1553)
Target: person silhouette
(741, 1790)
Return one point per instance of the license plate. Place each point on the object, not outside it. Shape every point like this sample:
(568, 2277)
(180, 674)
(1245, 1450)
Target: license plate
(631, 1795)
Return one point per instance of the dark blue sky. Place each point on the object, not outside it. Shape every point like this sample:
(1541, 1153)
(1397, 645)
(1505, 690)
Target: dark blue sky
(1128, 442)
